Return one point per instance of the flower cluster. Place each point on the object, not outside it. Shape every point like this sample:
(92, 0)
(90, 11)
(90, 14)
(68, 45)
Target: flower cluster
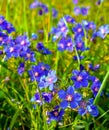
(81, 10)
(43, 8)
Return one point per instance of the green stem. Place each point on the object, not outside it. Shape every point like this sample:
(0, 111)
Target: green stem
(25, 18)
(101, 88)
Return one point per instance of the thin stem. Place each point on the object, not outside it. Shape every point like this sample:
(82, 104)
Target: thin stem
(101, 88)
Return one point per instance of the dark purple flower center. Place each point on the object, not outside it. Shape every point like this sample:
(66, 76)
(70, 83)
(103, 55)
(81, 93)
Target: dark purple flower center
(83, 104)
(96, 89)
(79, 45)
(56, 113)
(69, 98)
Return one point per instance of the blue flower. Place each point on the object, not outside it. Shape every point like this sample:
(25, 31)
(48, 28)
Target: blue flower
(21, 68)
(80, 78)
(38, 71)
(87, 107)
(34, 36)
(84, 10)
(78, 30)
(3, 36)
(80, 44)
(54, 12)
(46, 98)
(11, 50)
(28, 55)
(89, 25)
(93, 68)
(55, 114)
(69, 98)
(23, 42)
(49, 80)
(42, 49)
(95, 88)
(75, 1)
(77, 10)
(103, 31)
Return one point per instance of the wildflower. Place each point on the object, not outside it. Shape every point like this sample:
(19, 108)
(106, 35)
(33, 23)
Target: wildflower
(95, 88)
(69, 98)
(87, 107)
(84, 10)
(80, 44)
(8, 27)
(46, 98)
(49, 80)
(75, 1)
(23, 42)
(77, 10)
(38, 71)
(28, 55)
(103, 31)
(40, 47)
(80, 57)
(11, 50)
(21, 68)
(69, 44)
(34, 36)
(55, 114)
(80, 78)
(54, 12)
(93, 68)
(78, 30)
(89, 25)
(61, 44)
(3, 36)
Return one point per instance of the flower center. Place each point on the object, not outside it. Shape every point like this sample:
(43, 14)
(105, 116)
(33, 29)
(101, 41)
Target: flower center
(11, 49)
(50, 80)
(96, 89)
(36, 74)
(43, 68)
(79, 30)
(79, 45)
(83, 104)
(1, 21)
(63, 29)
(1, 39)
(69, 98)
(56, 113)
(22, 42)
(103, 31)
(28, 55)
(79, 78)
(69, 44)
(61, 45)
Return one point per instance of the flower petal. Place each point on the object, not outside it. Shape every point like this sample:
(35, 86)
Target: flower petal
(62, 94)
(73, 104)
(70, 90)
(64, 104)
